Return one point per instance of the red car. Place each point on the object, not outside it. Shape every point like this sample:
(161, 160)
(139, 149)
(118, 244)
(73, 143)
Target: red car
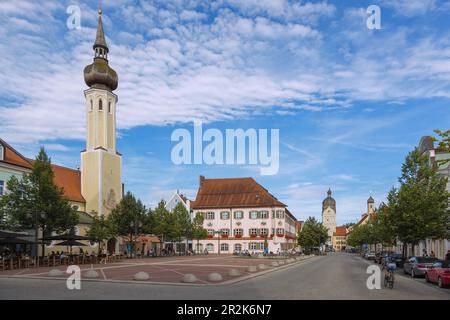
(439, 273)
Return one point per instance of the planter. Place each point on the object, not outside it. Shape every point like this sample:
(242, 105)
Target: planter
(210, 236)
(224, 236)
(253, 236)
(238, 236)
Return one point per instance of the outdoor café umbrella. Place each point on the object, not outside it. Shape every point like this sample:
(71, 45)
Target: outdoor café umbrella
(14, 241)
(8, 234)
(67, 237)
(71, 243)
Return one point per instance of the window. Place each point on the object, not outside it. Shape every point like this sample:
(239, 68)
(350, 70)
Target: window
(109, 107)
(210, 232)
(238, 247)
(253, 232)
(2, 152)
(210, 215)
(254, 246)
(225, 232)
(280, 214)
(280, 231)
(238, 232)
(273, 230)
(210, 247)
(264, 232)
(100, 105)
(264, 214)
(224, 247)
(253, 214)
(224, 215)
(238, 214)
(2, 187)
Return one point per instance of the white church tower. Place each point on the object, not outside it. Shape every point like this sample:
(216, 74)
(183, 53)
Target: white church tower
(101, 164)
(329, 215)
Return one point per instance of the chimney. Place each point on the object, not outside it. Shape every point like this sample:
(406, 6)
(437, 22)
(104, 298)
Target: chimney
(202, 180)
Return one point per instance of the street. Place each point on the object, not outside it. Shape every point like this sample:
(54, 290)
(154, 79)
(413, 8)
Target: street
(335, 276)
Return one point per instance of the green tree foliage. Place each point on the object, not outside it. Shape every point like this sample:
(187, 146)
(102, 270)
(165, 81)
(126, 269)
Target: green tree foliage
(420, 206)
(164, 223)
(129, 213)
(183, 224)
(443, 144)
(198, 232)
(101, 229)
(36, 193)
(313, 234)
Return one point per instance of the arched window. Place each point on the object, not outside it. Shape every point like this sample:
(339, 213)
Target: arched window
(238, 247)
(100, 105)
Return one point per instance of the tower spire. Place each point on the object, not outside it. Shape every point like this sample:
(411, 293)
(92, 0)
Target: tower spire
(100, 47)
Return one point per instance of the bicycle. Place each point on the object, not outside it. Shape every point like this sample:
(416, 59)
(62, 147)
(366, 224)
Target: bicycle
(389, 278)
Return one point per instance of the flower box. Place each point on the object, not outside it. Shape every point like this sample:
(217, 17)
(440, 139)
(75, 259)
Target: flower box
(253, 235)
(238, 236)
(210, 236)
(224, 236)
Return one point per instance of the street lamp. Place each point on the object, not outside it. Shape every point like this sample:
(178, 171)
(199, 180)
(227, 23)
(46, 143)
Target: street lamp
(219, 233)
(135, 224)
(36, 228)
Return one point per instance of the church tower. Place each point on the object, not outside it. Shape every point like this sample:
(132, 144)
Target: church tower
(329, 214)
(370, 205)
(101, 164)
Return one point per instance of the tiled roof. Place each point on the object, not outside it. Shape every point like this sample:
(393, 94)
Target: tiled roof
(233, 192)
(69, 180)
(340, 232)
(12, 156)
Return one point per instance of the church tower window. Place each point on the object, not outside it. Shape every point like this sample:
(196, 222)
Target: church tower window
(100, 105)
(109, 107)
(92, 105)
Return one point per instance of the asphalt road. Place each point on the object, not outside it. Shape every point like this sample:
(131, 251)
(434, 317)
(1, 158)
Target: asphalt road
(335, 276)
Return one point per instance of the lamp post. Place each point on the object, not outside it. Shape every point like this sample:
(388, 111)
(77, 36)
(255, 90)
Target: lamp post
(135, 224)
(36, 229)
(219, 233)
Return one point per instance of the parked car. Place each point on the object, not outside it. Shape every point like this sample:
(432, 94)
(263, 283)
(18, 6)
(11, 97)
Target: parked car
(396, 258)
(370, 255)
(380, 255)
(417, 266)
(439, 273)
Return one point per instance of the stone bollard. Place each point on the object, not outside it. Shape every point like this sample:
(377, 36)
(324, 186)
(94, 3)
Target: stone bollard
(234, 273)
(141, 276)
(189, 278)
(55, 273)
(214, 277)
(91, 274)
(262, 267)
(251, 269)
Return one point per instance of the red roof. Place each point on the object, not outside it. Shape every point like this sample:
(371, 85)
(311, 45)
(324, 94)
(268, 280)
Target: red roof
(233, 192)
(69, 180)
(340, 232)
(11, 156)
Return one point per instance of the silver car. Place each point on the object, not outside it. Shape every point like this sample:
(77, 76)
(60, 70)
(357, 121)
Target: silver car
(418, 266)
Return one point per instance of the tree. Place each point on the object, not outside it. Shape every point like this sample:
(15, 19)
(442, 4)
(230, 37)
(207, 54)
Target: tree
(100, 230)
(164, 223)
(443, 144)
(127, 217)
(198, 232)
(313, 234)
(183, 224)
(419, 207)
(36, 195)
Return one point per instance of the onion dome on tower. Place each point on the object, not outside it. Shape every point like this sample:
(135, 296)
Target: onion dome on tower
(99, 74)
(329, 202)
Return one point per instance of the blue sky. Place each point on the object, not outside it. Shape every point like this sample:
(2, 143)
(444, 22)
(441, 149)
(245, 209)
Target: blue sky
(349, 102)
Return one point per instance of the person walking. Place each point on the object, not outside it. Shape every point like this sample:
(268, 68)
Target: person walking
(447, 256)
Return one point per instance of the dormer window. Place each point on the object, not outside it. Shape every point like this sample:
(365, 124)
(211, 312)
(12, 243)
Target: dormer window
(2, 152)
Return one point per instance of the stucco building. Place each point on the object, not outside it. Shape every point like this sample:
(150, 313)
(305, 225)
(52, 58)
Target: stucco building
(242, 215)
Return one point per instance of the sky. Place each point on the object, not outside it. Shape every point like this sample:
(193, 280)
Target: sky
(349, 102)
